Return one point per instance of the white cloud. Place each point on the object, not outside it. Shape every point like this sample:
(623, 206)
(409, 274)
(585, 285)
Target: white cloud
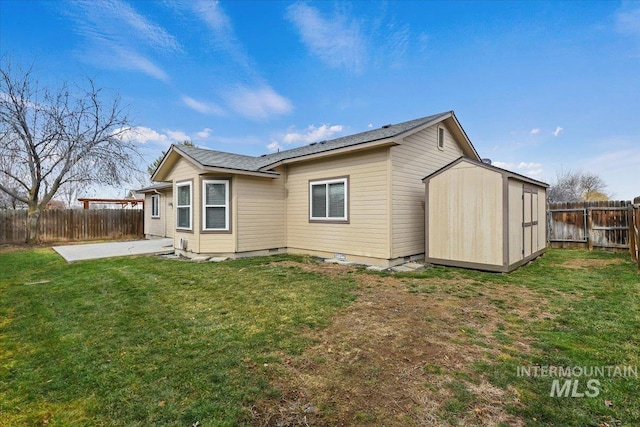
(423, 41)
(202, 107)
(334, 40)
(557, 131)
(204, 133)
(531, 165)
(116, 36)
(628, 21)
(274, 146)
(370, 125)
(152, 34)
(535, 131)
(618, 167)
(134, 61)
(178, 135)
(144, 135)
(530, 169)
(212, 14)
(503, 165)
(312, 134)
(258, 103)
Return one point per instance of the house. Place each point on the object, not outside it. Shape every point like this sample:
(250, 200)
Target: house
(483, 217)
(358, 198)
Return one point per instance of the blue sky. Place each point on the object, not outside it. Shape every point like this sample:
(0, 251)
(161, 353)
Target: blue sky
(538, 86)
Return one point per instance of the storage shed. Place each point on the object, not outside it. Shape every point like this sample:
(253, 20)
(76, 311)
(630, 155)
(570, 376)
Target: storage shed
(483, 217)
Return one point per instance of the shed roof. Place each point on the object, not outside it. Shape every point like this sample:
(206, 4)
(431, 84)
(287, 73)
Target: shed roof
(506, 172)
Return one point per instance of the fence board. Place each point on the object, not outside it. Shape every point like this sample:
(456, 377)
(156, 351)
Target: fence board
(603, 224)
(634, 231)
(69, 225)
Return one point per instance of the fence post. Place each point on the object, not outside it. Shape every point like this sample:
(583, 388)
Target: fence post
(634, 230)
(589, 228)
(632, 233)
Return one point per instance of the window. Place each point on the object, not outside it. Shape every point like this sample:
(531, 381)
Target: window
(155, 206)
(183, 206)
(215, 205)
(328, 200)
(440, 138)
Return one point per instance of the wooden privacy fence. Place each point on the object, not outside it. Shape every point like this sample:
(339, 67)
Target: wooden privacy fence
(634, 230)
(72, 224)
(590, 225)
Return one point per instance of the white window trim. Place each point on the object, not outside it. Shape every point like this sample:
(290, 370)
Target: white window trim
(155, 197)
(440, 146)
(326, 182)
(205, 206)
(190, 205)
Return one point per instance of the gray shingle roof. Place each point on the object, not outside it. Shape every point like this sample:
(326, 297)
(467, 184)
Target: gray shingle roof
(155, 186)
(225, 160)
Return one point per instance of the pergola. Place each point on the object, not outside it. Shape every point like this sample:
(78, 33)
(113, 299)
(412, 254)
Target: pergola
(123, 202)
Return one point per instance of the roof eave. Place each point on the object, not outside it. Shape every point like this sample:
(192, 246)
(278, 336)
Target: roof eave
(264, 174)
(423, 126)
(466, 137)
(157, 175)
(152, 189)
(470, 149)
(505, 172)
(351, 148)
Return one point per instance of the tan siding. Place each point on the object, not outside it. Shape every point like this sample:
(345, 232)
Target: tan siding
(515, 221)
(167, 215)
(465, 215)
(261, 212)
(367, 232)
(152, 226)
(417, 157)
(183, 171)
(161, 227)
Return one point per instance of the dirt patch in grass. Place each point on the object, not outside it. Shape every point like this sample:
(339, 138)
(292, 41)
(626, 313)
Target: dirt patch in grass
(399, 357)
(584, 263)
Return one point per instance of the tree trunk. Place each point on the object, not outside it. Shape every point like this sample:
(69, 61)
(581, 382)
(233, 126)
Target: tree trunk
(33, 218)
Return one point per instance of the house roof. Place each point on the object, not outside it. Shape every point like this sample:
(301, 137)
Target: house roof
(486, 166)
(262, 165)
(153, 187)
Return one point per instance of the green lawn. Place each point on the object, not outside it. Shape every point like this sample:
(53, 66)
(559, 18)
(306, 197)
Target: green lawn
(145, 341)
(582, 310)
(148, 341)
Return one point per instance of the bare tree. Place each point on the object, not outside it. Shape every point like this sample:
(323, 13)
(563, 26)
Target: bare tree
(577, 186)
(53, 138)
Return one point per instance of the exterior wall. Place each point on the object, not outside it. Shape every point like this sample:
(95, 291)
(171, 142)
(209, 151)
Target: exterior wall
(260, 216)
(163, 226)
(536, 242)
(466, 215)
(152, 226)
(367, 233)
(417, 157)
(166, 203)
(515, 221)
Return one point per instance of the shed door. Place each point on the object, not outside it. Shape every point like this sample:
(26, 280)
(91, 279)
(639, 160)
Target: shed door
(530, 220)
